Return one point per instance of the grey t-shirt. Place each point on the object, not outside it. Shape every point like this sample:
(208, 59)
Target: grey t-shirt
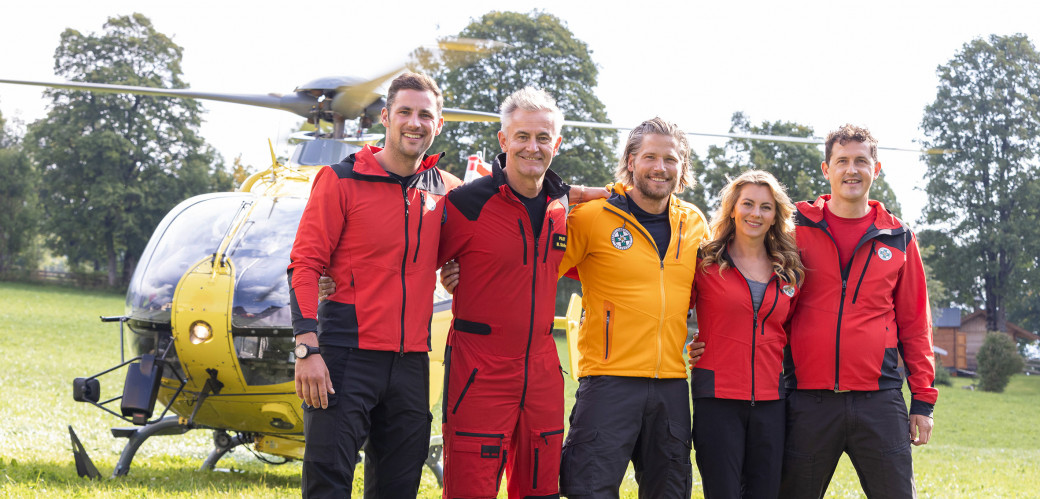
(758, 290)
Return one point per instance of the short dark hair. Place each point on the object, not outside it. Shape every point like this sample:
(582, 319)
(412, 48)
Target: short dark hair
(847, 133)
(414, 81)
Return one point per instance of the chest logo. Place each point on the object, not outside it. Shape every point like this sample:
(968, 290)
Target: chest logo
(430, 203)
(621, 238)
(788, 290)
(884, 254)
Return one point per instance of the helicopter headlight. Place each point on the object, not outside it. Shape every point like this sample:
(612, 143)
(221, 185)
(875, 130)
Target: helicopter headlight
(200, 332)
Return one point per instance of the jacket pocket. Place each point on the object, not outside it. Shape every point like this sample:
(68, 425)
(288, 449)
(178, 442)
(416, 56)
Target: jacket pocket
(608, 327)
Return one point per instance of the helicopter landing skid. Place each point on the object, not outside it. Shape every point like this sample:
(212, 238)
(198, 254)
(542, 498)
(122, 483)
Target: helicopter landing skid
(169, 425)
(222, 444)
(433, 460)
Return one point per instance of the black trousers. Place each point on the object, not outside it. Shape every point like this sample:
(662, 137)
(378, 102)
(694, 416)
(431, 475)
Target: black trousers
(740, 447)
(617, 419)
(873, 428)
(382, 397)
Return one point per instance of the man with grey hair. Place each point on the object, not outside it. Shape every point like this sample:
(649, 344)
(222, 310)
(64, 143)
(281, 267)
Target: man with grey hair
(503, 389)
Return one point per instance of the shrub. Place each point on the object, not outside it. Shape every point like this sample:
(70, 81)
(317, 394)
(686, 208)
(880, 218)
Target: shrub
(942, 376)
(998, 359)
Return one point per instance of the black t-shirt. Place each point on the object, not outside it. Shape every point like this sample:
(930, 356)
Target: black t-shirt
(535, 208)
(657, 225)
(404, 180)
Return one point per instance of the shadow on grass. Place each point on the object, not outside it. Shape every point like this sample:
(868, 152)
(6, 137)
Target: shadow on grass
(60, 479)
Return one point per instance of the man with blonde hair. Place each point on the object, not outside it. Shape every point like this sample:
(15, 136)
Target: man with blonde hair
(635, 254)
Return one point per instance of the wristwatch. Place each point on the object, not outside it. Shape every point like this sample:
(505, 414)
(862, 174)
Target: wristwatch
(303, 351)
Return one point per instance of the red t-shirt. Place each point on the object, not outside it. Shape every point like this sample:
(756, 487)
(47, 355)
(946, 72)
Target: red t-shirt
(848, 231)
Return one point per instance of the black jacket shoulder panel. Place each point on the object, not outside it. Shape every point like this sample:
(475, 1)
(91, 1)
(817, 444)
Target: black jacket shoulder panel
(898, 238)
(470, 198)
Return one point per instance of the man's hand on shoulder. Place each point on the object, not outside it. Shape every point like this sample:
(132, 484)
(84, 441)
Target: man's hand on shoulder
(313, 383)
(920, 429)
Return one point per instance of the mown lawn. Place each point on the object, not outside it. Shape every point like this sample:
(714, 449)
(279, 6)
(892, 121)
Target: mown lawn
(984, 445)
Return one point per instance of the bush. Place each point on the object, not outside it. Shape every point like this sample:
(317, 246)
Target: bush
(998, 359)
(942, 376)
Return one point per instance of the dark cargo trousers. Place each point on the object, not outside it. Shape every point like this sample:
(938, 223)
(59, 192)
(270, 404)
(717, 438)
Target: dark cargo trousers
(620, 419)
(873, 428)
(739, 446)
(381, 396)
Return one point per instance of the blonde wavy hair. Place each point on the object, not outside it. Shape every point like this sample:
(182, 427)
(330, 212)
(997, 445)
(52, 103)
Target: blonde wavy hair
(780, 244)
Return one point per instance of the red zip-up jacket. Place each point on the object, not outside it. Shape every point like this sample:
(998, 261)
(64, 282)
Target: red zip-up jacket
(377, 239)
(506, 305)
(852, 323)
(743, 359)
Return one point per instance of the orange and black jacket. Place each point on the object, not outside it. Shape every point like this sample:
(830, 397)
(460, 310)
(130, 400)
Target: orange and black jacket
(506, 305)
(377, 239)
(744, 352)
(853, 322)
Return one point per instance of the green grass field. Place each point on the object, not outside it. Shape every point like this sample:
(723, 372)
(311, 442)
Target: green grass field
(984, 445)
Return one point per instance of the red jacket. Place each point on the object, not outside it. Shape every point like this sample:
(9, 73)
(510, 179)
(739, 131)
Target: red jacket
(506, 305)
(377, 239)
(852, 323)
(743, 358)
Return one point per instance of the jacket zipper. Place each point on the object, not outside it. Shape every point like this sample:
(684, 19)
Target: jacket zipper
(404, 262)
(523, 236)
(418, 233)
(606, 337)
(548, 236)
(530, 325)
(660, 319)
(841, 306)
(678, 245)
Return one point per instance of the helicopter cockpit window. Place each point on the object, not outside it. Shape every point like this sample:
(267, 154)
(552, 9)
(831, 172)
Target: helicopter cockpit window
(323, 152)
(261, 321)
(191, 231)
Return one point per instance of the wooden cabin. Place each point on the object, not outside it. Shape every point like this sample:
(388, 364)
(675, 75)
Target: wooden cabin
(961, 337)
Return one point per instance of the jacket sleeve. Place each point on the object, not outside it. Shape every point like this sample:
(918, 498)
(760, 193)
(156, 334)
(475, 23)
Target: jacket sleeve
(579, 224)
(914, 323)
(454, 233)
(322, 223)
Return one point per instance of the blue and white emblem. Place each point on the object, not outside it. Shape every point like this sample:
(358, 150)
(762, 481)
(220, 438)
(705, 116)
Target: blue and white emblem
(788, 290)
(884, 254)
(621, 238)
(430, 203)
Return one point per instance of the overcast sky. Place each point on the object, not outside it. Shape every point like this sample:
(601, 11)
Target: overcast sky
(691, 62)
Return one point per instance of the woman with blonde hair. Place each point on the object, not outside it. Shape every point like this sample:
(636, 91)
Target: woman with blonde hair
(748, 275)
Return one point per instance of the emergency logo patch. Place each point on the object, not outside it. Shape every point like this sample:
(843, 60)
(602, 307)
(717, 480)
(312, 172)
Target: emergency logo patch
(884, 253)
(621, 238)
(559, 241)
(430, 203)
(788, 290)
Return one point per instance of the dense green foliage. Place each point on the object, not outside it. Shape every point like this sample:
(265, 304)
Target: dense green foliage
(969, 456)
(19, 211)
(998, 360)
(984, 194)
(796, 166)
(542, 53)
(114, 164)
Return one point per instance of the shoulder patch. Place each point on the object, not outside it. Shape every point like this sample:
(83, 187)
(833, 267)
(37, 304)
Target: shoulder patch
(559, 241)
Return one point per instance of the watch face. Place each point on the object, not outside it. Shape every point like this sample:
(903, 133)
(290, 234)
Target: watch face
(301, 351)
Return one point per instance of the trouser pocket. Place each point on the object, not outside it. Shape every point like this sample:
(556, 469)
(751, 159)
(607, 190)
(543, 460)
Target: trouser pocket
(473, 464)
(545, 473)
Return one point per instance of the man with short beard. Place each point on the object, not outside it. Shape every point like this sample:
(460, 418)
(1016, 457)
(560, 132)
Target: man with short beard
(635, 254)
(362, 365)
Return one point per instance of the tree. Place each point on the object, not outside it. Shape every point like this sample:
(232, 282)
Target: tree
(998, 359)
(983, 194)
(114, 164)
(18, 202)
(796, 166)
(543, 53)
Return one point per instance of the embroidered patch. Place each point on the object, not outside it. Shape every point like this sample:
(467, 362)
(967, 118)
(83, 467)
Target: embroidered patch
(559, 241)
(621, 238)
(788, 290)
(884, 254)
(430, 203)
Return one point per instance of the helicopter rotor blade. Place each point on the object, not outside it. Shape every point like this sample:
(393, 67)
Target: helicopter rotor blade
(298, 103)
(351, 100)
